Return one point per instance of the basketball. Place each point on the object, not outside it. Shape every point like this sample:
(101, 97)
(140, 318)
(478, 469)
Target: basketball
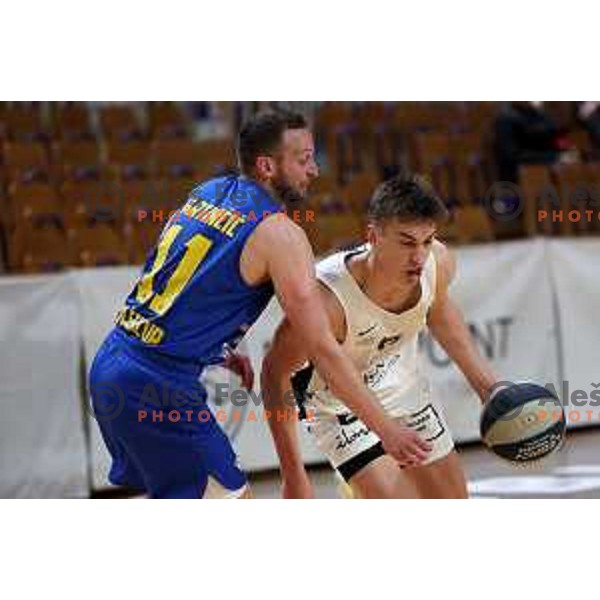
(522, 423)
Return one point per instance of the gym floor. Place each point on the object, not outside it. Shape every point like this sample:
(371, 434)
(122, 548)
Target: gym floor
(571, 472)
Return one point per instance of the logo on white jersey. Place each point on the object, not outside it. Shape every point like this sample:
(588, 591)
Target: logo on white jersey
(366, 331)
(388, 341)
(379, 370)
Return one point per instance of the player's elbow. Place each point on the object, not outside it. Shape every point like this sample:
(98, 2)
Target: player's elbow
(322, 348)
(310, 328)
(297, 305)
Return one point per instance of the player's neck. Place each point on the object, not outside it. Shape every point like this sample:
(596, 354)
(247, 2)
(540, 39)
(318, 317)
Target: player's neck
(390, 293)
(266, 185)
(269, 187)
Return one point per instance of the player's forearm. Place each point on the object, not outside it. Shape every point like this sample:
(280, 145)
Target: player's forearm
(313, 330)
(278, 401)
(450, 330)
(345, 382)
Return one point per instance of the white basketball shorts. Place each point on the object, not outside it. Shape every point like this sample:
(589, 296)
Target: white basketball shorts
(350, 445)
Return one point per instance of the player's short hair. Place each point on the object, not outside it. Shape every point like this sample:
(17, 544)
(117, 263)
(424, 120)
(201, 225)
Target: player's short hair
(263, 133)
(407, 197)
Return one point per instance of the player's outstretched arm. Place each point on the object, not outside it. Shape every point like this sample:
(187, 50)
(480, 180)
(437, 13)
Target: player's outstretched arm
(285, 356)
(290, 264)
(448, 327)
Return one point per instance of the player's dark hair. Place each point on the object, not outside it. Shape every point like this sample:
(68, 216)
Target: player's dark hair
(407, 197)
(262, 134)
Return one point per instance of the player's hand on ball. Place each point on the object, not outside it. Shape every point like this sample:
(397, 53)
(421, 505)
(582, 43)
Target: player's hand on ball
(404, 444)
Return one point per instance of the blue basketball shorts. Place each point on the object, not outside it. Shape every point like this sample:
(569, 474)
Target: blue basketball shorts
(159, 431)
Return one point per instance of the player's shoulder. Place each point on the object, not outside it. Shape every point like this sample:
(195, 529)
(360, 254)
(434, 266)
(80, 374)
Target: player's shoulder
(333, 264)
(280, 228)
(445, 262)
(277, 239)
(334, 310)
(440, 250)
(330, 264)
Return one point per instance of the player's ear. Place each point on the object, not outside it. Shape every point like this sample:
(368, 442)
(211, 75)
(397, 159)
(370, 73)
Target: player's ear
(265, 167)
(371, 233)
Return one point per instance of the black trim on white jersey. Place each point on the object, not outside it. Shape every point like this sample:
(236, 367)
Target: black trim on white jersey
(300, 381)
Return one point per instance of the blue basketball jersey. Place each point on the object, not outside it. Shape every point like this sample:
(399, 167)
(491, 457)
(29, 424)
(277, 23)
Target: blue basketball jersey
(190, 299)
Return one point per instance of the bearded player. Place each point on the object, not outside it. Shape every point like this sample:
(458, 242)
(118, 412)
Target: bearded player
(378, 298)
(217, 264)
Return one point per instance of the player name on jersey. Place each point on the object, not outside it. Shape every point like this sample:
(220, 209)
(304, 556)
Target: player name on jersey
(222, 219)
(140, 327)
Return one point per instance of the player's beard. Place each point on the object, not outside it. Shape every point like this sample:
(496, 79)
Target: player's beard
(287, 193)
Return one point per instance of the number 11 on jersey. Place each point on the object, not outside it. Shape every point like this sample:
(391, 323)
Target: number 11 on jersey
(196, 250)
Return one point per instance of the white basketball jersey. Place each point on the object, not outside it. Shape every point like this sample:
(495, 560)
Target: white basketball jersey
(382, 344)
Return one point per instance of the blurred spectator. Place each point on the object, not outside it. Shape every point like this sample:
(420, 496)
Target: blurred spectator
(588, 114)
(524, 134)
(213, 120)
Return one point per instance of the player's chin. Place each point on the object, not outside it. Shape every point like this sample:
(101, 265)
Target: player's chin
(299, 195)
(302, 188)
